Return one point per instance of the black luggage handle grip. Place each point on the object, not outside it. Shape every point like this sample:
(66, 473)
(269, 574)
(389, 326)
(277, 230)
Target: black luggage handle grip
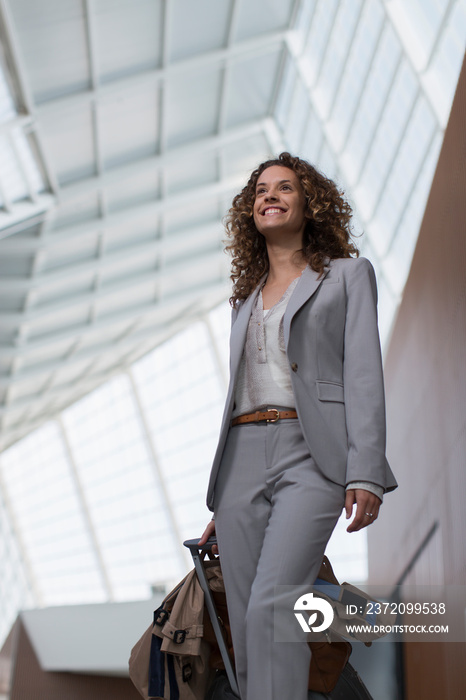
(193, 545)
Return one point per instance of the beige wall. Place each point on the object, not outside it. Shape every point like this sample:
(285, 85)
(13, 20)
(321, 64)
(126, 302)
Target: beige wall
(425, 377)
(30, 682)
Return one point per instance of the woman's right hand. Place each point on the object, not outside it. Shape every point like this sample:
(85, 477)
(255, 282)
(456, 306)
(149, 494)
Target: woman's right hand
(208, 532)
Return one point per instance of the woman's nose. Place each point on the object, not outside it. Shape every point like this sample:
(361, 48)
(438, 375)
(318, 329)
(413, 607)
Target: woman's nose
(271, 195)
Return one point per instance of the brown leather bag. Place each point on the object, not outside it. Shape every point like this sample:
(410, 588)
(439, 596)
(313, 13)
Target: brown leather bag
(328, 659)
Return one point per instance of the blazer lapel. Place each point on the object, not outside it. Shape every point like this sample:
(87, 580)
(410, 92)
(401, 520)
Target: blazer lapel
(240, 328)
(306, 287)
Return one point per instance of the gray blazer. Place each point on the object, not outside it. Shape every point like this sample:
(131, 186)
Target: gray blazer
(332, 344)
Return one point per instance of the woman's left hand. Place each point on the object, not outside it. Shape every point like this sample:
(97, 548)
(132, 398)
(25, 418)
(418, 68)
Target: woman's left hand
(208, 532)
(367, 508)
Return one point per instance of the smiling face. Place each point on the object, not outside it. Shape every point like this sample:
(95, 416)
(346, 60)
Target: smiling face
(280, 203)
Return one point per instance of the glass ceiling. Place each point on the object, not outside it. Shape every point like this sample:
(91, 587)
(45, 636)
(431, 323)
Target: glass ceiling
(95, 503)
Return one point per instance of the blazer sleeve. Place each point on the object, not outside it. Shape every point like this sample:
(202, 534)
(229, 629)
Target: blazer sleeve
(363, 378)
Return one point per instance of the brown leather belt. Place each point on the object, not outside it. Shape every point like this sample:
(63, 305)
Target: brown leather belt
(271, 416)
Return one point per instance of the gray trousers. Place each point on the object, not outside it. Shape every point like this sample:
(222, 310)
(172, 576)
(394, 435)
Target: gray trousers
(274, 514)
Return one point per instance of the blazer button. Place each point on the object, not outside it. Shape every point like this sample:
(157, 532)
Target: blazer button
(294, 366)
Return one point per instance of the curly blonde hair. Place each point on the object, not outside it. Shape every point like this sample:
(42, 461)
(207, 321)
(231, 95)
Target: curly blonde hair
(327, 234)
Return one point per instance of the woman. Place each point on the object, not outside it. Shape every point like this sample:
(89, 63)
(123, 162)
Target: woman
(304, 420)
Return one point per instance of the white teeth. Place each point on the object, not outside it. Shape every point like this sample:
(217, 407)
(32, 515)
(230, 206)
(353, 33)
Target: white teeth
(272, 211)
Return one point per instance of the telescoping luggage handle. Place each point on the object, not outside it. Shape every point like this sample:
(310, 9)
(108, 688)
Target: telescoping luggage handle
(198, 554)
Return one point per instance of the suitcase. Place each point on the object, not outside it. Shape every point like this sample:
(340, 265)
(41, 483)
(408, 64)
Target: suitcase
(224, 686)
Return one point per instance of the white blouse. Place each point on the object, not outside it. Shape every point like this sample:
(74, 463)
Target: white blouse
(264, 374)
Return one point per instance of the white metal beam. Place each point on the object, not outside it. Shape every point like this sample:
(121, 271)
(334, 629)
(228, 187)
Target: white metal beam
(241, 51)
(120, 174)
(337, 161)
(158, 162)
(436, 132)
(32, 408)
(222, 102)
(310, 26)
(91, 43)
(163, 85)
(85, 511)
(22, 88)
(26, 563)
(285, 55)
(24, 425)
(331, 27)
(21, 121)
(5, 201)
(325, 124)
(22, 212)
(128, 216)
(278, 82)
(344, 61)
(274, 137)
(391, 11)
(221, 371)
(207, 234)
(22, 167)
(213, 289)
(393, 157)
(36, 411)
(29, 417)
(370, 143)
(20, 226)
(360, 91)
(225, 80)
(447, 13)
(294, 12)
(182, 553)
(130, 343)
(167, 22)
